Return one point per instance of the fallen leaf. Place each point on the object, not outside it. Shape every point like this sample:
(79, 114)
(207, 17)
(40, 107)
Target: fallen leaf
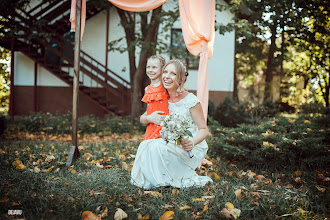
(235, 213)
(307, 122)
(238, 194)
(143, 217)
(88, 156)
(6, 199)
(185, 207)
(225, 213)
(153, 193)
(229, 206)
(298, 180)
(175, 191)
(74, 171)
(320, 188)
(122, 157)
(169, 215)
(124, 165)
(88, 215)
(120, 214)
(104, 213)
(298, 173)
(21, 167)
(216, 176)
(198, 200)
(259, 177)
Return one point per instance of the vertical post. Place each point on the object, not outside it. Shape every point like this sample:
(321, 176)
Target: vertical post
(12, 60)
(74, 151)
(106, 57)
(35, 86)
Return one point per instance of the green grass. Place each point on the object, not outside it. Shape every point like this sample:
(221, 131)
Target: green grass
(103, 181)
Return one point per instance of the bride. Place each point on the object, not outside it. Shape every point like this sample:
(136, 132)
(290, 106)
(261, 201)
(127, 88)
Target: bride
(158, 163)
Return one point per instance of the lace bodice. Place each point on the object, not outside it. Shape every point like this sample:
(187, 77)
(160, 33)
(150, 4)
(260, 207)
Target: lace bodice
(183, 106)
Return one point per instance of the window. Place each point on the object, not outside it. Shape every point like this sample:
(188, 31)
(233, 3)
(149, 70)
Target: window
(179, 50)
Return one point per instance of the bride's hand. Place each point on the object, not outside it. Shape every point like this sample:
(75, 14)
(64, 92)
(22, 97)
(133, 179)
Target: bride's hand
(156, 117)
(187, 144)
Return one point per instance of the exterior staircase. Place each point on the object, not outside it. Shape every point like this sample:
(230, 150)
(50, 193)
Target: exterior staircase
(44, 38)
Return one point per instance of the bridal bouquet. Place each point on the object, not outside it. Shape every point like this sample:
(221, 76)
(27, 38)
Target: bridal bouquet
(175, 128)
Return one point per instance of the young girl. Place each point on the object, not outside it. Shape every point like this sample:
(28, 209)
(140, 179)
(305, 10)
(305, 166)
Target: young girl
(156, 98)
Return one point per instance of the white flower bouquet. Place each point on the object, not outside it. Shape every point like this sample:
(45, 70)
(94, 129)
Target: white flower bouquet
(175, 128)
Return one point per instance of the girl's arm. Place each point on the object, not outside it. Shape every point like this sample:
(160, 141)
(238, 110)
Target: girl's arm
(156, 117)
(198, 117)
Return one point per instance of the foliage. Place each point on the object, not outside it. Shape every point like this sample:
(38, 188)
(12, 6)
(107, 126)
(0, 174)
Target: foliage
(269, 33)
(99, 181)
(276, 144)
(230, 113)
(4, 81)
(47, 123)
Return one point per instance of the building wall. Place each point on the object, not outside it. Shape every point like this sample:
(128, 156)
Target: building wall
(221, 65)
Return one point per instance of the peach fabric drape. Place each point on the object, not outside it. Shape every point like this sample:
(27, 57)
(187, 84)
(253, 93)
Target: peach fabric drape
(128, 5)
(73, 16)
(137, 5)
(197, 21)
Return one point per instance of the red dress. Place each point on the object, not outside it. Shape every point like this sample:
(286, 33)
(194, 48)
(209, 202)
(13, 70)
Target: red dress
(157, 100)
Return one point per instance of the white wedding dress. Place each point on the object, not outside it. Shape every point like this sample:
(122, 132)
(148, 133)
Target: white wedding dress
(158, 163)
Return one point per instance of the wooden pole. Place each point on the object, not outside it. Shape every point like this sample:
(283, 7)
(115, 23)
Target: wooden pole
(11, 97)
(74, 151)
(35, 87)
(106, 56)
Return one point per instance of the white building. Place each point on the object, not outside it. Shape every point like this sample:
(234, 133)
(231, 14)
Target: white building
(42, 82)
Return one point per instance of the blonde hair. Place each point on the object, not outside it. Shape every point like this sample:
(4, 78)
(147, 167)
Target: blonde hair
(181, 73)
(160, 58)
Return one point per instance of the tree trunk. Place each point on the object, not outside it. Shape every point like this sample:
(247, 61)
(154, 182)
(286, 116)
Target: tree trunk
(326, 94)
(235, 90)
(269, 69)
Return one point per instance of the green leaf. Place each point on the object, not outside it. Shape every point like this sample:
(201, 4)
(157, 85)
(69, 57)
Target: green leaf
(189, 133)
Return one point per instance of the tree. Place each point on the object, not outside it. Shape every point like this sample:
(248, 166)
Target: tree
(4, 80)
(276, 25)
(141, 31)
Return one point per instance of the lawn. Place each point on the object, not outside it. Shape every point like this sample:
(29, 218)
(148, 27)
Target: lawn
(275, 169)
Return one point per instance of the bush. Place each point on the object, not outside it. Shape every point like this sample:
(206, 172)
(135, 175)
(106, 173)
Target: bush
(265, 110)
(230, 114)
(119, 125)
(311, 108)
(279, 143)
(62, 124)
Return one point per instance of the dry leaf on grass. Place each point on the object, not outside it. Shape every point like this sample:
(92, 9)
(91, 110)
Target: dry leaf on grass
(175, 191)
(230, 212)
(153, 193)
(88, 215)
(169, 215)
(238, 194)
(185, 207)
(143, 217)
(120, 214)
(229, 206)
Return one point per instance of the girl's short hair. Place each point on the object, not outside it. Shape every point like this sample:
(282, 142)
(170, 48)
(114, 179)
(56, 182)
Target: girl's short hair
(160, 58)
(182, 73)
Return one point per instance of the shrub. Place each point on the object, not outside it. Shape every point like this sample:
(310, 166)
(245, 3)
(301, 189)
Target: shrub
(311, 108)
(265, 110)
(89, 124)
(277, 143)
(117, 124)
(230, 114)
